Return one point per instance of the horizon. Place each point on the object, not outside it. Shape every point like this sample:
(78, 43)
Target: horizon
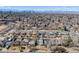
(40, 8)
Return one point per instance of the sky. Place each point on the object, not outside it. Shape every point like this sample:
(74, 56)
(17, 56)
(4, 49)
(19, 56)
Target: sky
(40, 8)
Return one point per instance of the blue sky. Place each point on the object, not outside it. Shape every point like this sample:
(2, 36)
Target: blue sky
(41, 8)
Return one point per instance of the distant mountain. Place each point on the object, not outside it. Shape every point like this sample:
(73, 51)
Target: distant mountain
(41, 9)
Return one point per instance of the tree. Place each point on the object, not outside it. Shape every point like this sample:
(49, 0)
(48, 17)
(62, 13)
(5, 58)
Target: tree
(68, 42)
